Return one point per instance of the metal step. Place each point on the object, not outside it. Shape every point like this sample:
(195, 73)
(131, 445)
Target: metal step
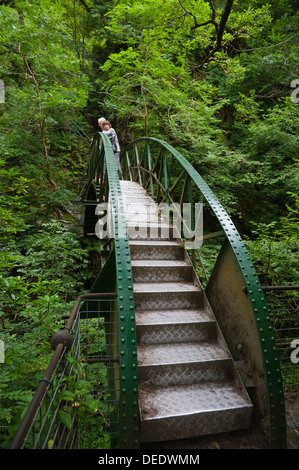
(190, 410)
(151, 231)
(174, 326)
(183, 363)
(162, 270)
(167, 295)
(154, 250)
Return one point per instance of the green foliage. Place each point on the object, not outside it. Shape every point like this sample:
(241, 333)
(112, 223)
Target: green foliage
(274, 248)
(40, 277)
(153, 68)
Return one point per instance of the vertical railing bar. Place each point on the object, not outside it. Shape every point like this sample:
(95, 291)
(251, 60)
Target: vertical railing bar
(149, 162)
(138, 164)
(183, 190)
(160, 174)
(165, 177)
(129, 165)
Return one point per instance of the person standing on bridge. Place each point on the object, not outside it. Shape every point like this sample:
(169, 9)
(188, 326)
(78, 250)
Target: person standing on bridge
(101, 122)
(110, 132)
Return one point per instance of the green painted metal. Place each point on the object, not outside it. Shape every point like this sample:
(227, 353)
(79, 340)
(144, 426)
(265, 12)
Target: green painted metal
(262, 318)
(102, 157)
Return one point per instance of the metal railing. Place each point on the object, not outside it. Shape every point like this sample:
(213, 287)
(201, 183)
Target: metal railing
(76, 402)
(89, 394)
(170, 179)
(102, 186)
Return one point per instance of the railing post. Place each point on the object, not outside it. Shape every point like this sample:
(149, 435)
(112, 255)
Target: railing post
(149, 167)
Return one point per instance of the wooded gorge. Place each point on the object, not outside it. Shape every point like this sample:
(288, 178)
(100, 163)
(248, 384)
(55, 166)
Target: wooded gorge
(218, 80)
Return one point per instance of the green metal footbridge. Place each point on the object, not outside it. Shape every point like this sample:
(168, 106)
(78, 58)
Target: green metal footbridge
(175, 342)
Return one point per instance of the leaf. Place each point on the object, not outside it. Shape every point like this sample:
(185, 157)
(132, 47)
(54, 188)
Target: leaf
(67, 395)
(77, 366)
(65, 418)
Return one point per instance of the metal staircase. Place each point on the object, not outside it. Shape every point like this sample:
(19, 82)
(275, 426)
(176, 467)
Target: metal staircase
(175, 331)
(188, 383)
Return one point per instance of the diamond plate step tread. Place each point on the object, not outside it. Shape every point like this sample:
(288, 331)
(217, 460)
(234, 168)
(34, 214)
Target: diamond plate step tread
(175, 332)
(167, 287)
(154, 263)
(178, 353)
(162, 273)
(165, 300)
(150, 232)
(186, 373)
(184, 411)
(156, 243)
(167, 295)
(176, 317)
(176, 326)
(158, 252)
(153, 225)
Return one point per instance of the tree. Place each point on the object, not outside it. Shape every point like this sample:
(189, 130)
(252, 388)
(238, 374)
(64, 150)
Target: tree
(44, 84)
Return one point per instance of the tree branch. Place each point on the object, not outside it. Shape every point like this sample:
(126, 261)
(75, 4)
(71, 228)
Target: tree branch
(223, 21)
(87, 8)
(41, 121)
(219, 26)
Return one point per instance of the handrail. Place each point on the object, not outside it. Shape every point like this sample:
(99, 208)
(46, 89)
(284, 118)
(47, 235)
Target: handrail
(61, 340)
(253, 288)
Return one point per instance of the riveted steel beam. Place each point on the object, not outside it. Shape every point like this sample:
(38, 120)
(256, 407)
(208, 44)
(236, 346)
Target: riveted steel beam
(103, 166)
